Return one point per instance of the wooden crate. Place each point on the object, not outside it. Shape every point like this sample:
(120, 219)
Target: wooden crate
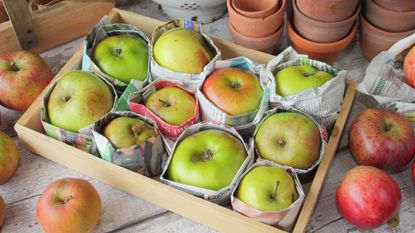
(56, 24)
(30, 131)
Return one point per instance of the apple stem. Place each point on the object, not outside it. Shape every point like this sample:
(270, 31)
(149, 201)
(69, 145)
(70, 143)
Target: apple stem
(393, 222)
(13, 66)
(67, 199)
(136, 130)
(274, 194)
(309, 74)
(165, 104)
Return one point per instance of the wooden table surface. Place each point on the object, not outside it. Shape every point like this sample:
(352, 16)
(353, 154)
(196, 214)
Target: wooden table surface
(122, 212)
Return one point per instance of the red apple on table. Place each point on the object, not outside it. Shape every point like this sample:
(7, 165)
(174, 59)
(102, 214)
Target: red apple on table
(382, 138)
(2, 212)
(23, 76)
(368, 197)
(233, 90)
(409, 67)
(9, 157)
(69, 205)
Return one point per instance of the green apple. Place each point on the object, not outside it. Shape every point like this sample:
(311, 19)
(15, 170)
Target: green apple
(172, 104)
(267, 188)
(233, 90)
(182, 50)
(294, 79)
(208, 159)
(123, 57)
(289, 138)
(78, 99)
(128, 131)
(9, 158)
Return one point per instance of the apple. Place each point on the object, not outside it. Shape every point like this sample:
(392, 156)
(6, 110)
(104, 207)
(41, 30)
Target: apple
(208, 159)
(409, 67)
(123, 57)
(288, 138)
(9, 157)
(233, 90)
(69, 205)
(182, 50)
(368, 197)
(382, 138)
(123, 132)
(23, 76)
(267, 188)
(172, 104)
(78, 99)
(2, 212)
(294, 79)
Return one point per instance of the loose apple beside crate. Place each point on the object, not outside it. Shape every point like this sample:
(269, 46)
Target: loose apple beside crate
(30, 131)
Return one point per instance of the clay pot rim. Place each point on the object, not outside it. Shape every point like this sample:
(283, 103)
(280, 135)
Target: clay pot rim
(366, 22)
(256, 14)
(387, 11)
(257, 20)
(258, 39)
(318, 47)
(345, 21)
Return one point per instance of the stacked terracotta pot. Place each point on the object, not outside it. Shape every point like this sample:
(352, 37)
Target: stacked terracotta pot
(384, 22)
(323, 28)
(257, 24)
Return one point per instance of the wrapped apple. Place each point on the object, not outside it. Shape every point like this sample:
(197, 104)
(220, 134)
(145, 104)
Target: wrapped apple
(131, 141)
(180, 51)
(72, 105)
(269, 193)
(235, 94)
(291, 138)
(311, 86)
(206, 161)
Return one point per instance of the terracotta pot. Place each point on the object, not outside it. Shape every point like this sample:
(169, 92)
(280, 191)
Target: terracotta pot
(266, 44)
(328, 10)
(397, 5)
(319, 31)
(326, 52)
(256, 27)
(388, 20)
(374, 40)
(255, 9)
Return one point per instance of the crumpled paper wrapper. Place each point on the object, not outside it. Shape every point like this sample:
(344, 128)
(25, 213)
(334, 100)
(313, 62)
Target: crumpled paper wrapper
(136, 103)
(82, 140)
(282, 219)
(385, 80)
(323, 103)
(322, 129)
(220, 197)
(190, 81)
(147, 158)
(243, 123)
(101, 31)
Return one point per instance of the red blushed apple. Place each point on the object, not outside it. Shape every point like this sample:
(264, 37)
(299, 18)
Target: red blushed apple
(409, 67)
(368, 197)
(382, 138)
(2, 212)
(23, 76)
(69, 205)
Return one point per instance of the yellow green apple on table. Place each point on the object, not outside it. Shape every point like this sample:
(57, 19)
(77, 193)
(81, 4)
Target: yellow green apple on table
(233, 90)
(123, 57)
(173, 105)
(288, 138)
(78, 99)
(294, 79)
(182, 50)
(123, 132)
(208, 159)
(267, 188)
(9, 157)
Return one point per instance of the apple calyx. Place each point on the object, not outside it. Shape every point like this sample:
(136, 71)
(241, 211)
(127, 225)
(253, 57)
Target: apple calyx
(136, 130)
(387, 126)
(308, 74)
(117, 52)
(235, 85)
(13, 66)
(66, 98)
(281, 142)
(65, 200)
(165, 103)
(273, 195)
(393, 222)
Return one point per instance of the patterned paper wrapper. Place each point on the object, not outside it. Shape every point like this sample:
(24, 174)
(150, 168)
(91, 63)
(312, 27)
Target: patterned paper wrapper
(82, 140)
(147, 158)
(282, 219)
(190, 81)
(101, 31)
(220, 197)
(243, 123)
(323, 103)
(385, 80)
(136, 103)
(322, 129)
